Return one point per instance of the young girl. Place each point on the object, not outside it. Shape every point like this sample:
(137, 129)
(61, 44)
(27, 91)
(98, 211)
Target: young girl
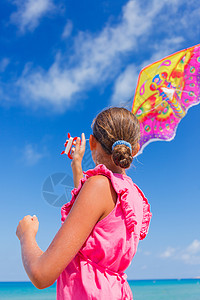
(102, 225)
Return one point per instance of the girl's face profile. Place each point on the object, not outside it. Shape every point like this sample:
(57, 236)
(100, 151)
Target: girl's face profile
(96, 149)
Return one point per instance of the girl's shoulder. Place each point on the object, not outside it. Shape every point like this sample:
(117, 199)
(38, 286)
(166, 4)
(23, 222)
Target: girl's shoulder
(117, 180)
(129, 196)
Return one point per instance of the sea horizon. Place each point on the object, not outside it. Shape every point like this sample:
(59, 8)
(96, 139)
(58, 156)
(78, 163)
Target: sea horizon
(142, 289)
(140, 279)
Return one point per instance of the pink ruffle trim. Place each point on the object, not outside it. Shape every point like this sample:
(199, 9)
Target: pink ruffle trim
(98, 170)
(65, 209)
(146, 215)
(127, 210)
(129, 215)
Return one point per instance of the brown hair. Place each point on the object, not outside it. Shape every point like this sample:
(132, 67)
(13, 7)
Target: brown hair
(113, 124)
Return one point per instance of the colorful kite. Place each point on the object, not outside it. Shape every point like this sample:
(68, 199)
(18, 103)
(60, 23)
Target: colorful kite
(164, 93)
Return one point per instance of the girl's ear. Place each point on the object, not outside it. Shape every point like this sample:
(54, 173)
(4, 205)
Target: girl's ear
(135, 151)
(92, 142)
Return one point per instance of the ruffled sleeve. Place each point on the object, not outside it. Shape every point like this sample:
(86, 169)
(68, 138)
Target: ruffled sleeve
(98, 170)
(65, 209)
(129, 215)
(146, 215)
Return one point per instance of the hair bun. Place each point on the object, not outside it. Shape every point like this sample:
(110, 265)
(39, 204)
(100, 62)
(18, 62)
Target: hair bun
(122, 156)
(118, 132)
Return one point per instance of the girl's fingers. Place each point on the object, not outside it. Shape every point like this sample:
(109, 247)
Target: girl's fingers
(83, 141)
(72, 151)
(78, 144)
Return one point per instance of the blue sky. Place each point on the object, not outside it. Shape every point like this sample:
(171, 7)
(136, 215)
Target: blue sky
(61, 62)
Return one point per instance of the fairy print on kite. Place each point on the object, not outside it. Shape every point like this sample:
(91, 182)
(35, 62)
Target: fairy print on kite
(164, 93)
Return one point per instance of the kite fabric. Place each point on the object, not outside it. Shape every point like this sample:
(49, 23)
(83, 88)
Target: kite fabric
(165, 91)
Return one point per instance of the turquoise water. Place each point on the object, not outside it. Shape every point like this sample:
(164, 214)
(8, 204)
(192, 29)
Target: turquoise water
(173, 289)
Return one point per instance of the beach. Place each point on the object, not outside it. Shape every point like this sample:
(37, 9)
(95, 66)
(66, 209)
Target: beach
(166, 289)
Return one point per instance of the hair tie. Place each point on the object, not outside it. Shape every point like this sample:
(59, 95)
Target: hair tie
(122, 142)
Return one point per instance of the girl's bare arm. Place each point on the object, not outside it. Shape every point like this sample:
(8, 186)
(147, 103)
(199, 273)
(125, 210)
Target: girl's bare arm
(77, 160)
(43, 268)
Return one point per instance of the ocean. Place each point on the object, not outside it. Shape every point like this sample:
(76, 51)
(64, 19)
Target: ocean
(171, 289)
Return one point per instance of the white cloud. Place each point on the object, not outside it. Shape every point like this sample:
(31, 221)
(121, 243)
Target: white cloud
(67, 30)
(125, 85)
(144, 267)
(168, 252)
(126, 82)
(147, 253)
(29, 13)
(98, 58)
(189, 255)
(161, 50)
(4, 63)
(194, 248)
(185, 20)
(31, 155)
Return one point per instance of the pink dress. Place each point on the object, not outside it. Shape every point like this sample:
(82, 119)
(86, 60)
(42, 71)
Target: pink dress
(97, 271)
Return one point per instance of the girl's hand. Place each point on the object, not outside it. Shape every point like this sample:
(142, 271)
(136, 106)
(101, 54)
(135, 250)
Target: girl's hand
(78, 151)
(27, 226)
(77, 154)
